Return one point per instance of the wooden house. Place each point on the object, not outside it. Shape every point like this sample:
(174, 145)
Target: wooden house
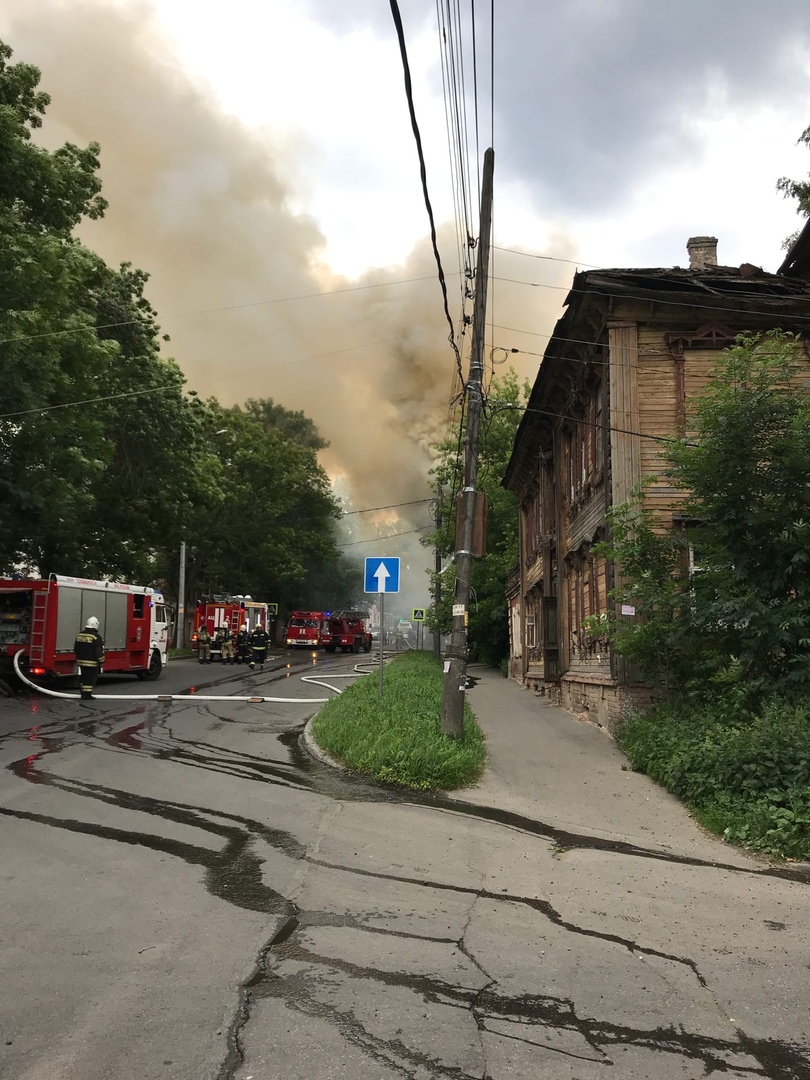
(631, 349)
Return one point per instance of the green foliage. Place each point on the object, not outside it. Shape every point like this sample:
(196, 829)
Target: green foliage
(745, 773)
(651, 563)
(797, 189)
(734, 636)
(397, 738)
(743, 472)
(271, 520)
(489, 627)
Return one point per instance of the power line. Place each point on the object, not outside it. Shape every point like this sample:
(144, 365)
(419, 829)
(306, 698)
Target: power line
(548, 258)
(212, 311)
(389, 506)
(423, 175)
(695, 303)
(91, 401)
(588, 423)
(159, 389)
(390, 536)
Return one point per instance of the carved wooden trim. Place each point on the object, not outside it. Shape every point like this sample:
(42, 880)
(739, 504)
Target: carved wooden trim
(711, 335)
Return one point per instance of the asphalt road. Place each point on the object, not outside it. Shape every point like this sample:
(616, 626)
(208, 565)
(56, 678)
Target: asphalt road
(188, 895)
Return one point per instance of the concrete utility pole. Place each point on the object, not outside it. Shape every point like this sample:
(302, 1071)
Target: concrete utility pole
(455, 658)
(181, 598)
(437, 594)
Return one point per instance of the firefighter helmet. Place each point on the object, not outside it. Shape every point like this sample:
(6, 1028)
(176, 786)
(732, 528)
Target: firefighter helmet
(244, 626)
(92, 623)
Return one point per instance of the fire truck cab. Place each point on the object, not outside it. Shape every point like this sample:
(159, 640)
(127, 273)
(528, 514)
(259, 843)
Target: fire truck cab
(348, 631)
(304, 628)
(231, 611)
(40, 618)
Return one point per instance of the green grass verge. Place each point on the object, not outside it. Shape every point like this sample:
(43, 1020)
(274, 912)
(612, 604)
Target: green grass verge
(397, 738)
(745, 774)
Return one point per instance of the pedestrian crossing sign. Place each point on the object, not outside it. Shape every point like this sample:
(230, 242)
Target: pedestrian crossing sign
(418, 614)
(272, 609)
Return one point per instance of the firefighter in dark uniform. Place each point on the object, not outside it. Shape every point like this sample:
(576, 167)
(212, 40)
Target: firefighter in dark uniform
(243, 645)
(89, 649)
(203, 645)
(258, 646)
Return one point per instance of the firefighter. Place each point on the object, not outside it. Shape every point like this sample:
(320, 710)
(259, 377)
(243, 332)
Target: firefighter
(258, 647)
(242, 645)
(89, 649)
(225, 642)
(203, 645)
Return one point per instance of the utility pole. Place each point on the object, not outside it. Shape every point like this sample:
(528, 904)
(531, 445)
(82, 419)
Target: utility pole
(181, 598)
(437, 590)
(455, 657)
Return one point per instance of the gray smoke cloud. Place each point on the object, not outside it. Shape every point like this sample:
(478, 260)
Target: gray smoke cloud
(204, 205)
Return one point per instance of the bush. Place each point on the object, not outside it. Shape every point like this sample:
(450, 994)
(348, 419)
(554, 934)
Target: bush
(397, 738)
(745, 773)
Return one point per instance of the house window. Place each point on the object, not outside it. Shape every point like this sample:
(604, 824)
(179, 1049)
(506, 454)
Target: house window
(531, 637)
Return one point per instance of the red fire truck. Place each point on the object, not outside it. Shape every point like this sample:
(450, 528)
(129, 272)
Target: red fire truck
(40, 618)
(347, 631)
(232, 611)
(304, 628)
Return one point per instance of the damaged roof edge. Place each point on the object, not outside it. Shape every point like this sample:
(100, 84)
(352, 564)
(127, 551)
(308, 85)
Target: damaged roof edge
(797, 261)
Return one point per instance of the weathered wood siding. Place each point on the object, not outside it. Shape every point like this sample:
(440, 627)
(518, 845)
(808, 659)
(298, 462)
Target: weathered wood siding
(625, 451)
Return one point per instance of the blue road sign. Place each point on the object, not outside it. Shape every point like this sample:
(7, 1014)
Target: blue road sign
(382, 575)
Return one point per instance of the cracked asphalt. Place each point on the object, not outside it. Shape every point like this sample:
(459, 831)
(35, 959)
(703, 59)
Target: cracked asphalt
(188, 894)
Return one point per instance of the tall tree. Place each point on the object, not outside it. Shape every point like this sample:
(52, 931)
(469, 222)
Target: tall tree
(95, 428)
(46, 453)
(797, 189)
(277, 511)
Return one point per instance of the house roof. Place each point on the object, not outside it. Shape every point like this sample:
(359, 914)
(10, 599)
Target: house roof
(797, 260)
(724, 293)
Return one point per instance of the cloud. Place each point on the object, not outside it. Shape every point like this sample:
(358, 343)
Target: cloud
(593, 96)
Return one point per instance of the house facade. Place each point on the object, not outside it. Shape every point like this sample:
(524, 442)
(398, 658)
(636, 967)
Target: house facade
(631, 350)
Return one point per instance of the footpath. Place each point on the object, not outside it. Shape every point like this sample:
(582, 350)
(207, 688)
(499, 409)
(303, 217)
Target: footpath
(564, 919)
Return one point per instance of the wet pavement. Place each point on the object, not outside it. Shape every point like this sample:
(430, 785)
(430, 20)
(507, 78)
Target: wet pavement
(188, 894)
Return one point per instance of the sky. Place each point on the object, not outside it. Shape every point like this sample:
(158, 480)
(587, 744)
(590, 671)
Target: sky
(259, 162)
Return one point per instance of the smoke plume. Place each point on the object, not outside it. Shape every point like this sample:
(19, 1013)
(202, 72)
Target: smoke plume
(204, 204)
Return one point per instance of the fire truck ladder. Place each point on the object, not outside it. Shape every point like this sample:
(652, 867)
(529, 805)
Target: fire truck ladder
(39, 611)
(236, 623)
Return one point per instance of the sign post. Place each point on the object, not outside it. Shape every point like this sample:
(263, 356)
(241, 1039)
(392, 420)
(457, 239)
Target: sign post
(381, 577)
(418, 617)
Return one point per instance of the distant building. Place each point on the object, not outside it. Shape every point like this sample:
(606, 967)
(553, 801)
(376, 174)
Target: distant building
(626, 357)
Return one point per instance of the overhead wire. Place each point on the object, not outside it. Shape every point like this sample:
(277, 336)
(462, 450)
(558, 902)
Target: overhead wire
(423, 174)
(212, 311)
(451, 50)
(390, 536)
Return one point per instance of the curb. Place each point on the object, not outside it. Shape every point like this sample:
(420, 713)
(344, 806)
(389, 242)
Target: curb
(314, 751)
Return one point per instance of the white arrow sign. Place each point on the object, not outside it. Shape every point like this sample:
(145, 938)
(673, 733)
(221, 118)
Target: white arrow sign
(382, 575)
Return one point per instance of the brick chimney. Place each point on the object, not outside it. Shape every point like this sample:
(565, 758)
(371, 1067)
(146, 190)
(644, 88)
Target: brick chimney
(702, 252)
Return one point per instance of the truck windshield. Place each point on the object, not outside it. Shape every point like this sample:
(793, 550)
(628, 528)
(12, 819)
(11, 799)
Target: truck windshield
(305, 622)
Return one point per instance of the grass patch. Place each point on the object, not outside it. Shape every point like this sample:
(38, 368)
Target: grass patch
(744, 773)
(397, 738)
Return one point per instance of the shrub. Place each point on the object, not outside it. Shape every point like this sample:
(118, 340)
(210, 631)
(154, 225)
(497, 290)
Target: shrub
(745, 773)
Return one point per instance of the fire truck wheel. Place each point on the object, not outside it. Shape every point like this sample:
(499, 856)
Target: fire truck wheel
(367, 646)
(330, 648)
(154, 669)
